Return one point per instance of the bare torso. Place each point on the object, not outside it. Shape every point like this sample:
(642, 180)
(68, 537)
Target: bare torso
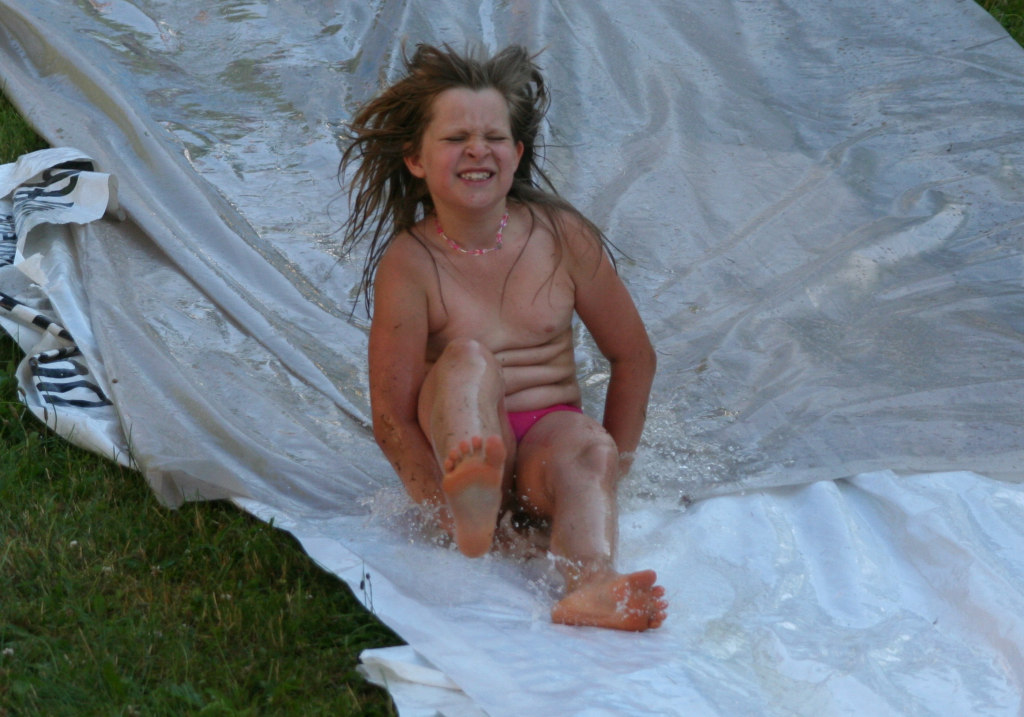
(518, 302)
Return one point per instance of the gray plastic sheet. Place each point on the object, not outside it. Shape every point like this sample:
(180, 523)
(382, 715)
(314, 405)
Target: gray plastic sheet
(819, 207)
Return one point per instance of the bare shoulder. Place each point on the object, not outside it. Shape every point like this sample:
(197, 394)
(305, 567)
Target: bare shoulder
(406, 257)
(404, 284)
(601, 298)
(584, 251)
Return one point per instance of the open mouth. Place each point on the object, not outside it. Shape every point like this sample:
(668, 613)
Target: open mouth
(476, 176)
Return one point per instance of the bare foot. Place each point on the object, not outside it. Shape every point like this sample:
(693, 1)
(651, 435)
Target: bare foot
(472, 485)
(620, 602)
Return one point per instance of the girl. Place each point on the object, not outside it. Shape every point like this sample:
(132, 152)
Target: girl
(475, 274)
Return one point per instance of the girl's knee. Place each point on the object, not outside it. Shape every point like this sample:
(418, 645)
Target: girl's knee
(465, 361)
(593, 458)
(466, 352)
(465, 374)
(602, 454)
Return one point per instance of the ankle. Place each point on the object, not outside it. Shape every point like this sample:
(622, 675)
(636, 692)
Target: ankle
(578, 573)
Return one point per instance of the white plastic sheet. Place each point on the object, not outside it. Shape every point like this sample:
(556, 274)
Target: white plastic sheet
(820, 207)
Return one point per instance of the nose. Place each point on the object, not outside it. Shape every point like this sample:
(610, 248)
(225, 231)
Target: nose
(476, 146)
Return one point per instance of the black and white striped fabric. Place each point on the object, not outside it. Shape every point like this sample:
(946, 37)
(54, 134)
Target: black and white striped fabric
(60, 379)
(49, 196)
(26, 315)
(52, 186)
(63, 381)
(8, 239)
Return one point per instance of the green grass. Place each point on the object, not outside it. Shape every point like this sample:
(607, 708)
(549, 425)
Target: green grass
(15, 136)
(1009, 13)
(111, 604)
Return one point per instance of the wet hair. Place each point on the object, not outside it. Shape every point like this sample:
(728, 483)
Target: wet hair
(385, 199)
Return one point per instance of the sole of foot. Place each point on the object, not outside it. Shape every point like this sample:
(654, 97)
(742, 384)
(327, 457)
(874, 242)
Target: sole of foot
(472, 486)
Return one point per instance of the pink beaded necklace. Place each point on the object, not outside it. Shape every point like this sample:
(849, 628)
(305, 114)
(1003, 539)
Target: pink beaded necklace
(472, 252)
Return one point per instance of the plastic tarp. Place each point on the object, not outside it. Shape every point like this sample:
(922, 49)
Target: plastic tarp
(819, 207)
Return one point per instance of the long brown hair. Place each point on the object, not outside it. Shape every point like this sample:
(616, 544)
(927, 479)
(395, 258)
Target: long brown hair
(385, 199)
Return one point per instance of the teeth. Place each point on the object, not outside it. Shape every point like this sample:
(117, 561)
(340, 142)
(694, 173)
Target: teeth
(475, 176)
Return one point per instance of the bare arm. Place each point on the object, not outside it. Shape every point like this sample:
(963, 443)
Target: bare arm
(606, 308)
(397, 366)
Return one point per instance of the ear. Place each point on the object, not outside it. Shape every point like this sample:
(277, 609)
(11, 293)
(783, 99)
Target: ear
(520, 147)
(413, 164)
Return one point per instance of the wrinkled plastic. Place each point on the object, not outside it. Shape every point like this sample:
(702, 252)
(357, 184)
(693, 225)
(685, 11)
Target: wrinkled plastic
(820, 210)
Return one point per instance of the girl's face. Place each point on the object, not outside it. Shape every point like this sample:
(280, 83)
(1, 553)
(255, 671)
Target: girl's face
(467, 155)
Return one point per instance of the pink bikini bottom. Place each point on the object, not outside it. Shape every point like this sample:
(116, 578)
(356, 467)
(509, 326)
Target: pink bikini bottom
(522, 421)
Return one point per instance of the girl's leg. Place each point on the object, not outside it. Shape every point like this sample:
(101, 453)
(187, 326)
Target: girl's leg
(461, 411)
(567, 472)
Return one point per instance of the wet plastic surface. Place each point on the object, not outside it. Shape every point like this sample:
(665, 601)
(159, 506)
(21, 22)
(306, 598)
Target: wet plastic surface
(820, 206)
